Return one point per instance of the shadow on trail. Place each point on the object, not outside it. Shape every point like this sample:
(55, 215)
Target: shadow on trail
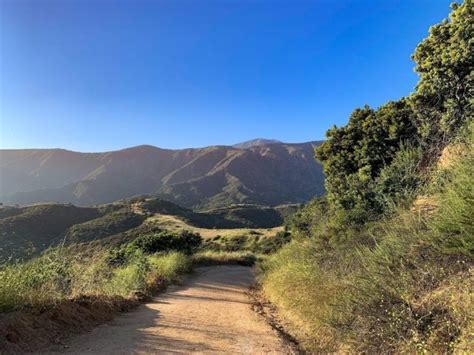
(202, 315)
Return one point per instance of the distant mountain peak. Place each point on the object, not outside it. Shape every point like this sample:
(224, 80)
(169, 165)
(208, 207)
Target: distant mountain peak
(217, 176)
(256, 143)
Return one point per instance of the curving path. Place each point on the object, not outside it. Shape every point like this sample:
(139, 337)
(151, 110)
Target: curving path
(209, 314)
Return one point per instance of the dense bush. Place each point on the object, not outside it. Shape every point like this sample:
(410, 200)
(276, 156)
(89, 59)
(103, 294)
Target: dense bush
(400, 181)
(361, 160)
(354, 155)
(163, 241)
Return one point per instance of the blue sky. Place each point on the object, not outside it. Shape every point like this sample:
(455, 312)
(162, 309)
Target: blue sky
(102, 75)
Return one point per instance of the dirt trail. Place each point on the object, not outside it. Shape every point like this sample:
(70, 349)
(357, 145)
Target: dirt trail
(209, 313)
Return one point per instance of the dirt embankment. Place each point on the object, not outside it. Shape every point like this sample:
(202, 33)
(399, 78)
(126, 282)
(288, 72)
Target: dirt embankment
(30, 330)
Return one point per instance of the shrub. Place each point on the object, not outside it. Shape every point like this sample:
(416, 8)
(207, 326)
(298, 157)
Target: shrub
(400, 181)
(165, 241)
(130, 278)
(169, 266)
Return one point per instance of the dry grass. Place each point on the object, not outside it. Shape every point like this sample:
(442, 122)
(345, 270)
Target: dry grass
(245, 258)
(173, 223)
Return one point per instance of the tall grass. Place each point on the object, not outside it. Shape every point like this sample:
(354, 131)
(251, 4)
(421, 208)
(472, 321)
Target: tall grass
(453, 223)
(212, 257)
(304, 293)
(59, 275)
(402, 284)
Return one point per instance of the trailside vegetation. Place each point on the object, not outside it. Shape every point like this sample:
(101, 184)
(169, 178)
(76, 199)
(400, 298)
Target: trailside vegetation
(385, 262)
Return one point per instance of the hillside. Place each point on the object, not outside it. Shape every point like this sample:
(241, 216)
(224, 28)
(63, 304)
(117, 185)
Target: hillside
(255, 143)
(27, 231)
(267, 173)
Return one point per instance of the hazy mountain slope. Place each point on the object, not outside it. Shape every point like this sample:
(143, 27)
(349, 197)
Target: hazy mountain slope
(268, 174)
(255, 143)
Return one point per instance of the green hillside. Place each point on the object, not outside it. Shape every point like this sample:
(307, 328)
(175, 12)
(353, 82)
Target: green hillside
(110, 224)
(33, 229)
(27, 231)
(384, 263)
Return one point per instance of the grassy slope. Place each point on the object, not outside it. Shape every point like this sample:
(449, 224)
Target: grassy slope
(175, 224)
(401, 284)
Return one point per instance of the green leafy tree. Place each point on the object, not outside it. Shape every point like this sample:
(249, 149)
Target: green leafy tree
(354, 155)
(444, 96)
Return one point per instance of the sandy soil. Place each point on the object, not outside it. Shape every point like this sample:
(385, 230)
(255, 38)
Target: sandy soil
(209, 313)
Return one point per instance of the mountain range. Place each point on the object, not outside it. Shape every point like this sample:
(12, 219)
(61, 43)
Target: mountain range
(265, 172)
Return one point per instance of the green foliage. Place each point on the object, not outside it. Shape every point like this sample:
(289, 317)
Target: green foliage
(107, 225)
(400, 181)
(366, 272)
(310, 217)
(354, 155)
(444, 96)
(400, 284)
(131, 277)
(38, 281)
(58, 275)
(365, 173)
(163, 241)
(169, 266)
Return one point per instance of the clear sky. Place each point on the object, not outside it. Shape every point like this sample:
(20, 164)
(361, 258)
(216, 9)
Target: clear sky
(100, 75)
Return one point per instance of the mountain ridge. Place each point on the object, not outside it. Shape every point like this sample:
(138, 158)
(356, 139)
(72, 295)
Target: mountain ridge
(214, 176)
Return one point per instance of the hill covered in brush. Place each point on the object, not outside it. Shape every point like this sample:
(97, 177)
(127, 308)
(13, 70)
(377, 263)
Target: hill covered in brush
(27, 231)
(264, 173)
